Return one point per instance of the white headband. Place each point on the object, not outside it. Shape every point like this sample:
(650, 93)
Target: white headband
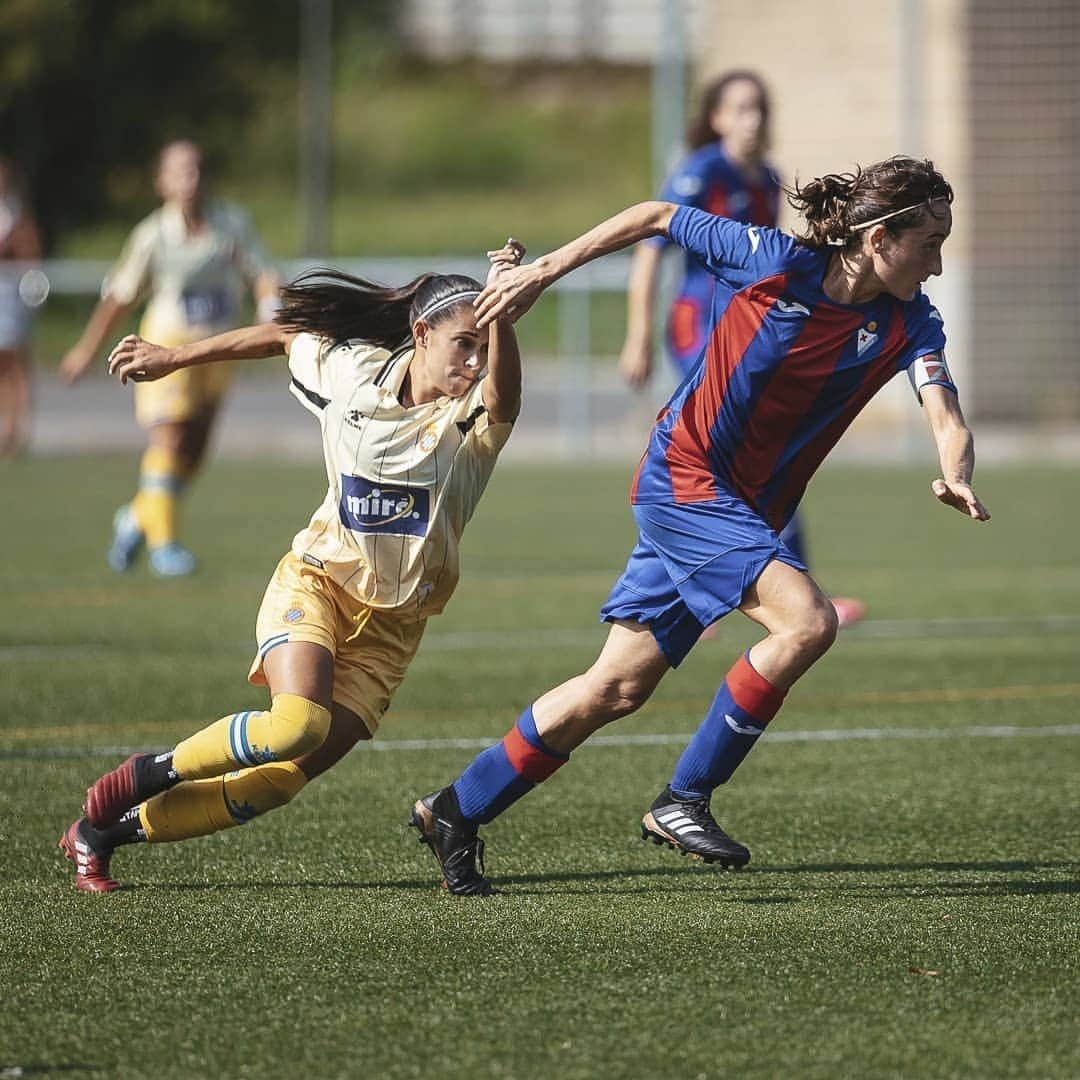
(841, 241)
(446, 301)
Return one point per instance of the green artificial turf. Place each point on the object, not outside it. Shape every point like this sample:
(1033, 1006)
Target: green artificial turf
(911, 907)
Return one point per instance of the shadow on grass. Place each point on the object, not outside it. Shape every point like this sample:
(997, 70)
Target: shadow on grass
(1002, 867)
(675, 879)
(430, 883)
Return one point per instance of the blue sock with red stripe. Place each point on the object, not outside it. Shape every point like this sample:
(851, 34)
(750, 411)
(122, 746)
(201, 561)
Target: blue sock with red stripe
(497, 777)
(742, 708)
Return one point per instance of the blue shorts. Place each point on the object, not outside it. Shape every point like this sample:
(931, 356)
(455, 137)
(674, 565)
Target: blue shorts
(692, 564)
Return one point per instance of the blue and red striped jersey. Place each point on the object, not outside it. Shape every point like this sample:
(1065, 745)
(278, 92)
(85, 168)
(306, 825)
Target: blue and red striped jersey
(785, 371)
(707, 179)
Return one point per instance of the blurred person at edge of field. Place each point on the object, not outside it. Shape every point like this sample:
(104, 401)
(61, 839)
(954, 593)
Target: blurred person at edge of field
(725, 173)
(191, 260)
(20, 242)
(412, 425)
(804, 331)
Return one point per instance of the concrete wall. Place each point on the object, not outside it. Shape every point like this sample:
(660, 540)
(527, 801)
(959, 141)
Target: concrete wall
(855, 81)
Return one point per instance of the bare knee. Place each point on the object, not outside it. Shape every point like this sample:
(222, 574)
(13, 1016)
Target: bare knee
(346, 730)
(816, 628)
(611, 695)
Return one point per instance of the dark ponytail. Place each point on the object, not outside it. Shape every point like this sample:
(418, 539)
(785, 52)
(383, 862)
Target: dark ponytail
(837, 206)
(341, 307)
(700, 132)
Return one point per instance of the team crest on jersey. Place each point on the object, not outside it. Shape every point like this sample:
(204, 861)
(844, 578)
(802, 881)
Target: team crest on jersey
(294, 614)
(429, 439)
(866, 338)
(392, 509)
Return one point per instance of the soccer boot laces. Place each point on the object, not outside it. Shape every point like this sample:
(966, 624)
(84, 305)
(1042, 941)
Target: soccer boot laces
(453, 841)
(91, 862)
(687, 825)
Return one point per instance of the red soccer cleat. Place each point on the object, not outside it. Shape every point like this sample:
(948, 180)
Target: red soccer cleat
(848, 610)
(91, 865)
(111, 796)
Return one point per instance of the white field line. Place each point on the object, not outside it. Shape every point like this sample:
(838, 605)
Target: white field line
(990, 626)
(1001, 731)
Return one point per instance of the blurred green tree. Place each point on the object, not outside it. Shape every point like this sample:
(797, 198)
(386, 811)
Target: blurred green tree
(89, 89)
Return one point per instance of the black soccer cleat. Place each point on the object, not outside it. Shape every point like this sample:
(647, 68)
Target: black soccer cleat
(453, 841)
(688, 826)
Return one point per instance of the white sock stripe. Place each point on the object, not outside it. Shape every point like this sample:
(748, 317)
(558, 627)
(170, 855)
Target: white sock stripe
(236, 737)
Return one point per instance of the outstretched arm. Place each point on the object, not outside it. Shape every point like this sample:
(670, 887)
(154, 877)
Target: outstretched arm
(107, 313)
(515, 291)
(133, 358)
(956, 452)
(502, 387)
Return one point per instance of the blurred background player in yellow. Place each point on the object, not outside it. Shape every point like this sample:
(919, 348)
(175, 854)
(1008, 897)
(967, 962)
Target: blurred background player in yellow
(412, 426)
(192, 260)
(725, 173)
(19, 242)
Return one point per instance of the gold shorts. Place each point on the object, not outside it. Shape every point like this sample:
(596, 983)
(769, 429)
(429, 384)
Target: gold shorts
(184, 395)
(372, 647)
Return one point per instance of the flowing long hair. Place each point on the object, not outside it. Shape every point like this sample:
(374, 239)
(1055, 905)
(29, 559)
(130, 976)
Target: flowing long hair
(837, 206)
(341, 307)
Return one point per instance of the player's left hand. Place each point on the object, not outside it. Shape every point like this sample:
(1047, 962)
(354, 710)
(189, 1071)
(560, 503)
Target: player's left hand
(960, 497)
(507, 257)
(133, 358)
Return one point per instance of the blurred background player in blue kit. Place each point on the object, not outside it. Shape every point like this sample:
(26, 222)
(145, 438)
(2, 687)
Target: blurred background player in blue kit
(415, 403)
(804, 333)
(725, 173)
(192, 260)
(19, 242)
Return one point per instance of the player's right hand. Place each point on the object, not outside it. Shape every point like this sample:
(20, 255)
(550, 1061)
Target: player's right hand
(636, 363)
(133, 358)
(510, 295)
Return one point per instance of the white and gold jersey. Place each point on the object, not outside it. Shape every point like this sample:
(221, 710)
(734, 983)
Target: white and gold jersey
(403, 482)
(194, 282)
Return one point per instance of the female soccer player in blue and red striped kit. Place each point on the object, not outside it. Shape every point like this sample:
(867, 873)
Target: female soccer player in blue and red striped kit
(803, 333)
(725, 172)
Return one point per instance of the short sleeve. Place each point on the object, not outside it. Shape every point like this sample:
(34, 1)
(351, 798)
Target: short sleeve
(483, 437)
(925, 359)
(130, 278)
(307, 366)
(687, 186)
(722, 244)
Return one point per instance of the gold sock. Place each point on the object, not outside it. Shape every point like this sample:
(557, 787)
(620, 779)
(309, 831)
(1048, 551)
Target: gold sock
(201, 807)
(162, 475)
(293, 727)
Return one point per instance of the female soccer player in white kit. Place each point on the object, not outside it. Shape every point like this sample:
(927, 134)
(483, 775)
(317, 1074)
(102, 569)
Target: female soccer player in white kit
(412, 426)
(192, 260)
